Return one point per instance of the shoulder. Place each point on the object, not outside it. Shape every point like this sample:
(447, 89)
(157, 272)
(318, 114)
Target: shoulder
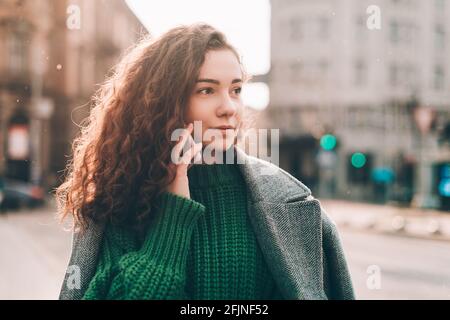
(272, 183)
(282, 186)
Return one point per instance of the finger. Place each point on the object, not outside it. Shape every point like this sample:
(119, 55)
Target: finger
(187, 146)
(182, 140)
(187, 157)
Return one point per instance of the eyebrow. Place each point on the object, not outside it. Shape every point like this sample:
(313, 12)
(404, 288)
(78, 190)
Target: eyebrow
(217, 81)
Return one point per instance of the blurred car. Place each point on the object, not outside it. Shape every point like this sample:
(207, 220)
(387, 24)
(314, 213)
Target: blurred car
(15, 194)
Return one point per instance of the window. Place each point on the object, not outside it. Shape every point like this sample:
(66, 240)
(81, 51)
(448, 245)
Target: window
(410, 76)
(403, 75)
(408, 3)
(296, 29)
(394, 32)
(309, 28)
(296, 71)
(18, 52)
(402, 32)
(439, 78)
(440, 5)
(309, 73)
(439, 36)
(394, 75)
(324, 28)
(360, 78)
(361, 28)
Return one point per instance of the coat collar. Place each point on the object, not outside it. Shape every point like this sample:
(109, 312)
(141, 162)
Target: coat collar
(287, 224)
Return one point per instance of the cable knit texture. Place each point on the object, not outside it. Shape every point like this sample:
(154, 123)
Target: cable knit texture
(198, 248)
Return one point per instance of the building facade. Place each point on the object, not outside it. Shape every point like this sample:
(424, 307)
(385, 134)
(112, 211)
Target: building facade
(333, 74)
(53, 56)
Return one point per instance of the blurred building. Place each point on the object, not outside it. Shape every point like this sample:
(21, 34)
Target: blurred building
(53, 54)
(330, 74)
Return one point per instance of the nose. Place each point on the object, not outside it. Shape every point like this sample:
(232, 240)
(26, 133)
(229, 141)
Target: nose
(228, 107)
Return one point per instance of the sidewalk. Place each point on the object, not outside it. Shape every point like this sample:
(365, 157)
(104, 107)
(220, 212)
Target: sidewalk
(35, 250)
(413, 222)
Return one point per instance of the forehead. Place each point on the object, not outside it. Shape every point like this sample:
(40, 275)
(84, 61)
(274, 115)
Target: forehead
(220, 65)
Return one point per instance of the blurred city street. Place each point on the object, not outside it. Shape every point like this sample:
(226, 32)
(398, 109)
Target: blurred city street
(35, 251)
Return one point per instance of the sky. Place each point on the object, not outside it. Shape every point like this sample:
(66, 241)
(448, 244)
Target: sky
(245, 23)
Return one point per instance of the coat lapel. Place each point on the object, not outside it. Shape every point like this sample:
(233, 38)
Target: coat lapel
(287, 224)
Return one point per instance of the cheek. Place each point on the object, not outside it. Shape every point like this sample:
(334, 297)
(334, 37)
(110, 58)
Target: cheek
(240, 112)
(199, 111)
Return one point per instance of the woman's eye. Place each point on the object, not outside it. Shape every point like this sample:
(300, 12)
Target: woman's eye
(210, 90)
(205, 90)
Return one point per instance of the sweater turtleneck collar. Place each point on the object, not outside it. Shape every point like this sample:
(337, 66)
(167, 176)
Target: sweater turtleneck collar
(216, 174)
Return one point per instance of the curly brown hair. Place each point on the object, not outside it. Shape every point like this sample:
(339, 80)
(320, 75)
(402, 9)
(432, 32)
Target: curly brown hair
(121, 157)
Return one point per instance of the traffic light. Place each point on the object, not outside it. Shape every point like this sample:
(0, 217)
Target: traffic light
(442, 184)
(358, 160)
(359, 166)
(328, 142)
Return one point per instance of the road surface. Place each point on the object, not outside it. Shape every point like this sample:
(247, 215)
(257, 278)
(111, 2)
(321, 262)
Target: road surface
(35, 250)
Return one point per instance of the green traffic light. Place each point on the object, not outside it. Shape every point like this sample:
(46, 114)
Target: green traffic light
(358, 160)
(328, 142)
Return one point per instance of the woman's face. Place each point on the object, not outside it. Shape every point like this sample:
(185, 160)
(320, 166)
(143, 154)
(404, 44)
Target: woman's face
(216, 99)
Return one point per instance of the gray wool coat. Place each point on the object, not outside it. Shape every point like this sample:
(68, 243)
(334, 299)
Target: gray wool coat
(300, 243)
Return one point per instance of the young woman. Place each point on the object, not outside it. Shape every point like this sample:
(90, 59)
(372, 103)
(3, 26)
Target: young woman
(151, 224)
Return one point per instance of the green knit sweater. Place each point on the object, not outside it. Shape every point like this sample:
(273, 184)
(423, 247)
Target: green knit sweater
(198, 248)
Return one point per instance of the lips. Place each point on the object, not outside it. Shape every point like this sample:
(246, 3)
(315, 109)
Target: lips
(225, 127)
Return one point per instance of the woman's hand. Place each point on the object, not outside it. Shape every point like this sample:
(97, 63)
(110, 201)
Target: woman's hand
(180, 185)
